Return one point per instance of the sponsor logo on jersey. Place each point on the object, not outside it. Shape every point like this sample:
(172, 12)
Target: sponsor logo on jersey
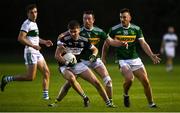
(126, 38)
(75, 50)
(94, 41)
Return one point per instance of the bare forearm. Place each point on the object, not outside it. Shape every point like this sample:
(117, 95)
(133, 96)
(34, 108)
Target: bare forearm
(104, 49)
(42, 41)
(147, 49)
(94, 51)
(112, 42)
(58, 54)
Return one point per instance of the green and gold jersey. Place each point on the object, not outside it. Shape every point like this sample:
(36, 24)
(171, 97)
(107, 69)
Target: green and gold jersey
(130, 35)
(96, 36)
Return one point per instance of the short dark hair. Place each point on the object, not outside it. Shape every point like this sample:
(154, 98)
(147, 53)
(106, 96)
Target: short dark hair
(125, 10)
(30, 7)
(73, 24)
(89, 12)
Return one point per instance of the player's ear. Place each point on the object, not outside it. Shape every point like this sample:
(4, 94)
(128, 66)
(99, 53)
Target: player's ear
(130, 18)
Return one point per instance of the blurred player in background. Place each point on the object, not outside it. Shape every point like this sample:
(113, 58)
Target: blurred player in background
(129, 62)
(169, 42)
(97, 37)
(29, 36)
(78, 45)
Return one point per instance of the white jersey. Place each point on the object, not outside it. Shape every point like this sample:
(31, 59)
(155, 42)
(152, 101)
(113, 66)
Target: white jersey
(170, 40)
(32, 31)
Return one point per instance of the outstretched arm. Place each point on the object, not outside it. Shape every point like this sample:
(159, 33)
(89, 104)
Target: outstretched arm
(48, 43)
(147, 49)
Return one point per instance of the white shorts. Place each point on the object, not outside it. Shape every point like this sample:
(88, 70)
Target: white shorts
(170, 51)
(32, 58)
(133, 64)
(77, 69)
(93, 64)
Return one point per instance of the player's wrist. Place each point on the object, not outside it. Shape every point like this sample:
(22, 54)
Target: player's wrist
(92, 58)
(153, 56)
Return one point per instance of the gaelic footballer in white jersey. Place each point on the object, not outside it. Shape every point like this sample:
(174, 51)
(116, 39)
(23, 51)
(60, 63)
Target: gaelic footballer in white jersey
(32, 31)
(29, 36)
(170, 42)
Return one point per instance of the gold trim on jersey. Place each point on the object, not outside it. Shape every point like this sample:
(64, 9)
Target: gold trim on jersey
(94, 41)
(126, 38)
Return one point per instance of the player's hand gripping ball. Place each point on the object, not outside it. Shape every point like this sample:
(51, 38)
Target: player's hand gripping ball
(70, 59)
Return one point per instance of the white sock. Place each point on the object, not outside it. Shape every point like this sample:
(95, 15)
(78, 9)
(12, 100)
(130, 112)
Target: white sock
(45, 94)
(9, 78)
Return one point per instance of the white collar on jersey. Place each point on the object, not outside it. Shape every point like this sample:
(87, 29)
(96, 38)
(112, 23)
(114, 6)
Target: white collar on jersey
(88, 29)
(127, 26)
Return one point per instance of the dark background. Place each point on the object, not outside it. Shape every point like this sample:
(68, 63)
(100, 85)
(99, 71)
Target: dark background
(153, 16)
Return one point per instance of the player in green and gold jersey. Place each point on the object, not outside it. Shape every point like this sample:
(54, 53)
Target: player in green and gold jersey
(129, 62)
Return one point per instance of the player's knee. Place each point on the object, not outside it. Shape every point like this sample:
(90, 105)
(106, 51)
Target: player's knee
(107, 81)
(129, 80)
(30, 78)
(71, 79)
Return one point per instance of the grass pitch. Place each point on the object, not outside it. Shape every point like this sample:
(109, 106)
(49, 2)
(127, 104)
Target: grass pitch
(27, 96)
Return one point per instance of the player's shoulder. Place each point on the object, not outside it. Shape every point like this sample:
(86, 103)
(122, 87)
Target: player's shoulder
(26, 25)
(133, 26)
(65, 38)
(62, 35)
(27, 22)
(83, 39)
(116, 27)
(95, 28)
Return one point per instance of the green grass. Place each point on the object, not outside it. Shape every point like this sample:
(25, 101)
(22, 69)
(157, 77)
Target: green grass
(27, 96)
